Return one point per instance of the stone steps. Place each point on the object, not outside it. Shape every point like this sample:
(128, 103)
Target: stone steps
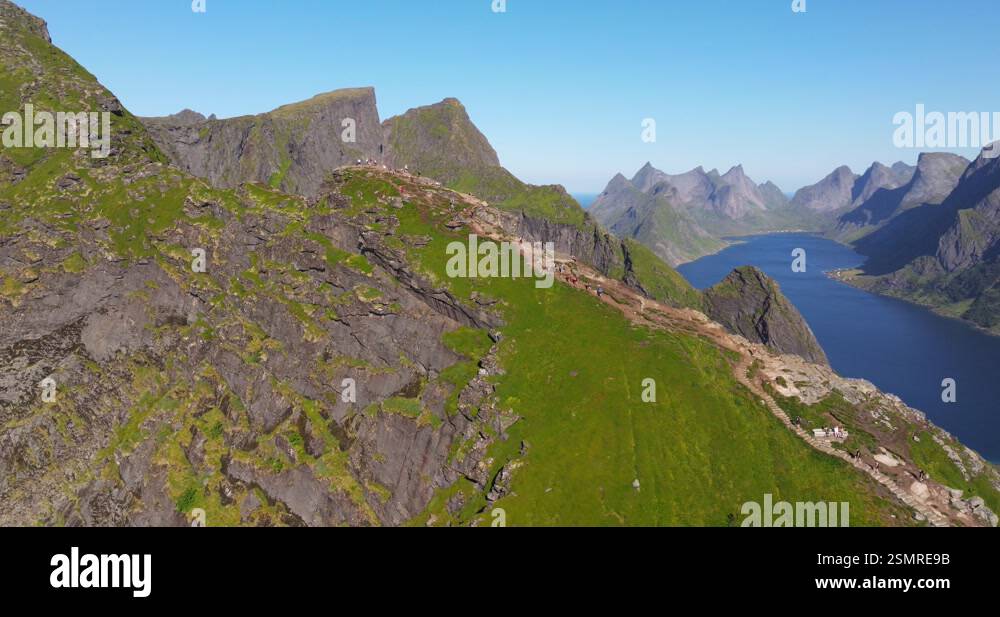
(927, 512)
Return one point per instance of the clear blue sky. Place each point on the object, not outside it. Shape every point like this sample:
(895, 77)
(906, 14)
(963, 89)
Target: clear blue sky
(560, 87)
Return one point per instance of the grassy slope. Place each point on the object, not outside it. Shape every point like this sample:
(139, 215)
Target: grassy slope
(574, 372)
(660, 281)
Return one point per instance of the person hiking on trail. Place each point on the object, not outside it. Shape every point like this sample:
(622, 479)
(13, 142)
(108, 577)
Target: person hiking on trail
(600, 291)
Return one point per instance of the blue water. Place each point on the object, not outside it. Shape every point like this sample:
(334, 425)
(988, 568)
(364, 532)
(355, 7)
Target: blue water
(586, 199)
(900, 347)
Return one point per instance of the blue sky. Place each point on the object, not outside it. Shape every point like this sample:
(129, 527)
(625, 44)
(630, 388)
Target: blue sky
(561, 87)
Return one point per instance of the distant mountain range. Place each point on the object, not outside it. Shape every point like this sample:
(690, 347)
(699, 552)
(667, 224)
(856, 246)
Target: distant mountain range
(685, 216)
(940, 247)
(883, 193)
(929, 231)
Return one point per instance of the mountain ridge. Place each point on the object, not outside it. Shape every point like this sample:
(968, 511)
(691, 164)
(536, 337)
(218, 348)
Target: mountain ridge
(225, 390)
(943, 254)
(686, 216)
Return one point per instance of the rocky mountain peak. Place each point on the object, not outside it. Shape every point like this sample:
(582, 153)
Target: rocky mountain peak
(439, 140)
(187, 116)
(735, 173)
(876, 177)
(293, 147)
(617, 183)
(14, 17)
(834, 192)
(751, 304)
(647, 177)
(937, 174)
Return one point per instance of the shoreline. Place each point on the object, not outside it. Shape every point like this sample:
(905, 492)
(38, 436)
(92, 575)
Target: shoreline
(731, 241)
(838, 274)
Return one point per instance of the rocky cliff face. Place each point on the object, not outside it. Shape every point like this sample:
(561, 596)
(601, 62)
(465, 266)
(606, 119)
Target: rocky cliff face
(750, 303)
(943, 253)
(436, 141)
(879, 177)
(832, 193)
(17, 19)
(439, 140)
(884, 193)
(292, 148)
(223, 389)
(250, 382)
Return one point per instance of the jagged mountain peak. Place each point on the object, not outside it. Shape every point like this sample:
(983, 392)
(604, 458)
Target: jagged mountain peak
(437, 139)
(617, 182)
(734, 172)
(832, 193)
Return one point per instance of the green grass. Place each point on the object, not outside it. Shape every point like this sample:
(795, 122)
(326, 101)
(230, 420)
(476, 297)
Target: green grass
(660, 281)
(472, 344)
(700, 452)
